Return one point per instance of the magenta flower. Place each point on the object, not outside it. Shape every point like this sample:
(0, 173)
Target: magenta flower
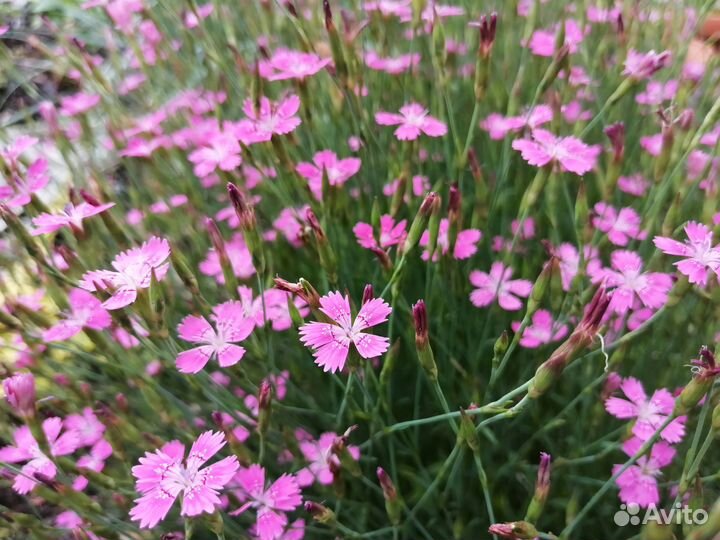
(162, 476)
(542, 42)
(331, 341)
(276, 310)
(638, 484)
(287, 64)
(393, 66)
(221, 151)
(239, 256)
(497, 284)
(620, 226)
(22, 189)
(498, 126)
(133, 271)
(271, 502)
(391, 233)
(542, 331)
(413, 120)
(231, 326)
(86, 311)
(465, 243)
(272, 118)
(290, 222)
(649, 414)
(20, 393)
(626, 275)
(78, 103)
(86, 426)
(326, 162)
(26, 449)
(321, 458)
(656, 92)
(571, 153)
(700, 255)
(644, 65)
(634, 185)
(71, 216)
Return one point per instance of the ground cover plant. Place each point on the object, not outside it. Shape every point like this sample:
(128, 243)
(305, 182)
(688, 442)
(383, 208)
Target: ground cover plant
(401, 269)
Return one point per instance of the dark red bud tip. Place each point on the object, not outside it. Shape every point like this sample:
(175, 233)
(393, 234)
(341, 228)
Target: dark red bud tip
(454, 199)
(419, 312)
(328, 14)
(431, 204)
(265, 395)
(368, 294)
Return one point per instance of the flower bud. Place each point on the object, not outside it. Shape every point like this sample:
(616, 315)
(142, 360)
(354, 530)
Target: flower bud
(219, 246)
(264, 406)
(393, 506)
(705, 371)
(542, 489)
(515, 530)
(467, 433)
(368, 294)
(430, 204)
(422, 340)
(20, 393)
(319, 512)
(616, 134)
(551, 268)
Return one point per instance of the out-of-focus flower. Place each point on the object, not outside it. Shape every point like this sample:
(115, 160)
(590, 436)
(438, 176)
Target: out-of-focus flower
(541, 331)
(570, 153)
(326, 162)
(640, 66)
(465, 243)
(86, 311)
(413, 120)
(498, 285)
(638, 484)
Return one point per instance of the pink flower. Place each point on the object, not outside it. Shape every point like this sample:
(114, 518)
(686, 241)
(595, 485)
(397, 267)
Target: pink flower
(497, 284)
(221, 151)
(290, 222)
(644, 65)
(20, 393)
(633, 185)
(626, 275)
(571, 153)
(393, 66)
(649, 413)
(162, 476)
(271, 118)
(388, 8)
(231, 326)
(71, 215)
(620, 226)
(700, 255)
(322, 459)
(413, 120)
(570, 262)
(542, 42)
(133, 271)
(22, 190)
(271, 502)
(391, 233)
(287, 64)
(275, 309)
(78, 103)
(338, 171)
(26, 449)
(86, 311)
(331, 341)
(86, 426)
(95, 459)
(638, 484)
(543, 330)
(656, 92)
(465, 243)
(498, 126)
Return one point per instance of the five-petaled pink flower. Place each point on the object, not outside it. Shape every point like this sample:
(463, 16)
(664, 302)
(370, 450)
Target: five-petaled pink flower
(271, 502)
(321, 458)
(465, 243)
(393, 66)
(22, 189)
(331, 341)
(700, 254)
(78, 103)
(412, 120)
(221, 151)
(543, 330)
(133, 271)
(231, 326)
(162, 476)
(497, 284)
(644, 65)
(638, 484)
(571, 153)
(626, 275)
(326, 162)
(621, 226)
(26, 449)
(70, 216)
(88, 428)
(288, 64)
(86, 311)
(649, 414)
(391, 233)
(270, 118)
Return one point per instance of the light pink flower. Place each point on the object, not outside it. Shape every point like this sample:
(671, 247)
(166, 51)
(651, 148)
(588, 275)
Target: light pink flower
(638, 484)
(78, 103)
(26, 449)
(133, 271)
(656, 92)
(338, 171)
(640, 66)
(635, 185)
(700, 255)
(162, 476)
(497, 284)
(276, 309)
(320, 456)
(270, 502)
(71, 215)
(86, 426)
(498, 126)
(231, 326)
(288, 64)
(393, 66)
(95, 459)
(543, 330)
(391, 233)
(22, 190)
(240, 260)
(648, 413)
(413, 120)
(465, 243)
(542, 42)
(192, 20)
(626, 275)
(570, 262)
(290, 222)
(620, 226)
(270, 119)
(221, 151)
(388, 8)
(331, 341)
(571, 153)
(20, 393)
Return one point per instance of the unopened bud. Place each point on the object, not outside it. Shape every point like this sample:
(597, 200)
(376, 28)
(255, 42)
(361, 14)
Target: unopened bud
(422, 341)
(430, 204)
(368, 294)
(319, 512)
(542, 489)
(264, 406)
(516, 530)
(20, 393)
